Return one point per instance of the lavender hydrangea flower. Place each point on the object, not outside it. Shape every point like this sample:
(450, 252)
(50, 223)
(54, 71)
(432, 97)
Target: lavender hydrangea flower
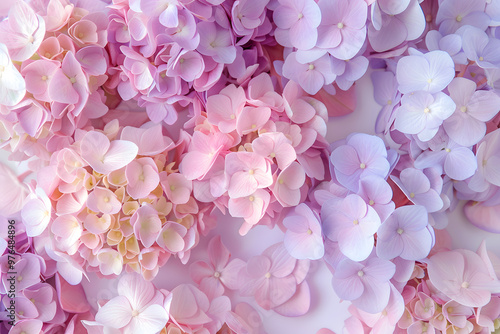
(406, 233)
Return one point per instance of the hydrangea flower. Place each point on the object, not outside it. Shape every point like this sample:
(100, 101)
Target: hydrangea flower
(406, 233)
(352, 224)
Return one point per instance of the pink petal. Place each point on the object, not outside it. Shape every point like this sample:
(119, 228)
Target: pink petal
(116, 313)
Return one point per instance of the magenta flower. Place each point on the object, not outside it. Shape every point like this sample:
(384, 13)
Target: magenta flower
(362, 155)
(300, 19)
(352, 224)
(406, 233)
(365, 283)
(220, 272)
(303, 239)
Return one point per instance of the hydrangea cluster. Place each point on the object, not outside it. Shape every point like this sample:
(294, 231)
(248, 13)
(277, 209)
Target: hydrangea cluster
(141, 122)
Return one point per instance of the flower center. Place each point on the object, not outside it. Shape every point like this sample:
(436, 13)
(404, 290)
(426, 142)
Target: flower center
(400, 231)
(427, 110)
(311, 67)
(44, 78)
(280, 181)
(217, 274)
(355, 222)
(47, 55)
(361, 273)
(251, 198)
(181, 60)
(412, 195)
(106, 199)
(447, 150)
(371, 202)
(267, 275)
(389, 102)
(309, 231)
(19, 278)
(272, 155)
(251, 171)
(232, 116)
(465, 285)
(429, 80)
(340, 25)
(73, 80)
(80, 35)
(31, 39)
(172, 188)
(300, 16)
(463, 109)
(481, 58)
(459, 18)
(2, 68)
(135, 313)
(362, 166)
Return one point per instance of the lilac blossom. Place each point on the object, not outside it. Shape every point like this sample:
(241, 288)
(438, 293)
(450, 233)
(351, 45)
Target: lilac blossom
(453, 14)
(488, 160)
(451, 43)
(349, 71)
(458, 162)
(389, 29)
(366, 284)
(352, 223)
(420, 188)
(422, 113)
(303, 238)
(311, 76)
(406, 233)
(377, 193)
(480, 48)
(467, 124)
(430, 72)
(300, 20)
(343, 31)
(362, 155)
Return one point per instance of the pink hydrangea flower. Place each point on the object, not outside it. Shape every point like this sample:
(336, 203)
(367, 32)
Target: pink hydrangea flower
(248, 172)
(137, 306)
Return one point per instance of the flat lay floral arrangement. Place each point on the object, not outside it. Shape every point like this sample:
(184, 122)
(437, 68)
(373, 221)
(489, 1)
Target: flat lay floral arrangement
(142, 122)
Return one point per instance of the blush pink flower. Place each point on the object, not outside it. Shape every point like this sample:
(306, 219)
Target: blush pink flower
(462, 276)
(177, 188)
(202, 154)
(252, 208)
(171, 237)
(36, 213)
(105, 156)
(12, 84)
(137, 307)
(248, 172)
(142, 138)
(252, 119)
(189, 307)
(146, 225)
(303, 238)
(288, 184)
(219, 273)
(103, 200)
(15, 192)
(142, 177)
(275, 145)
(67, 231)
(69, 84)
(23, 32)
(38, 75)
(269, 278)
(223, 109)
